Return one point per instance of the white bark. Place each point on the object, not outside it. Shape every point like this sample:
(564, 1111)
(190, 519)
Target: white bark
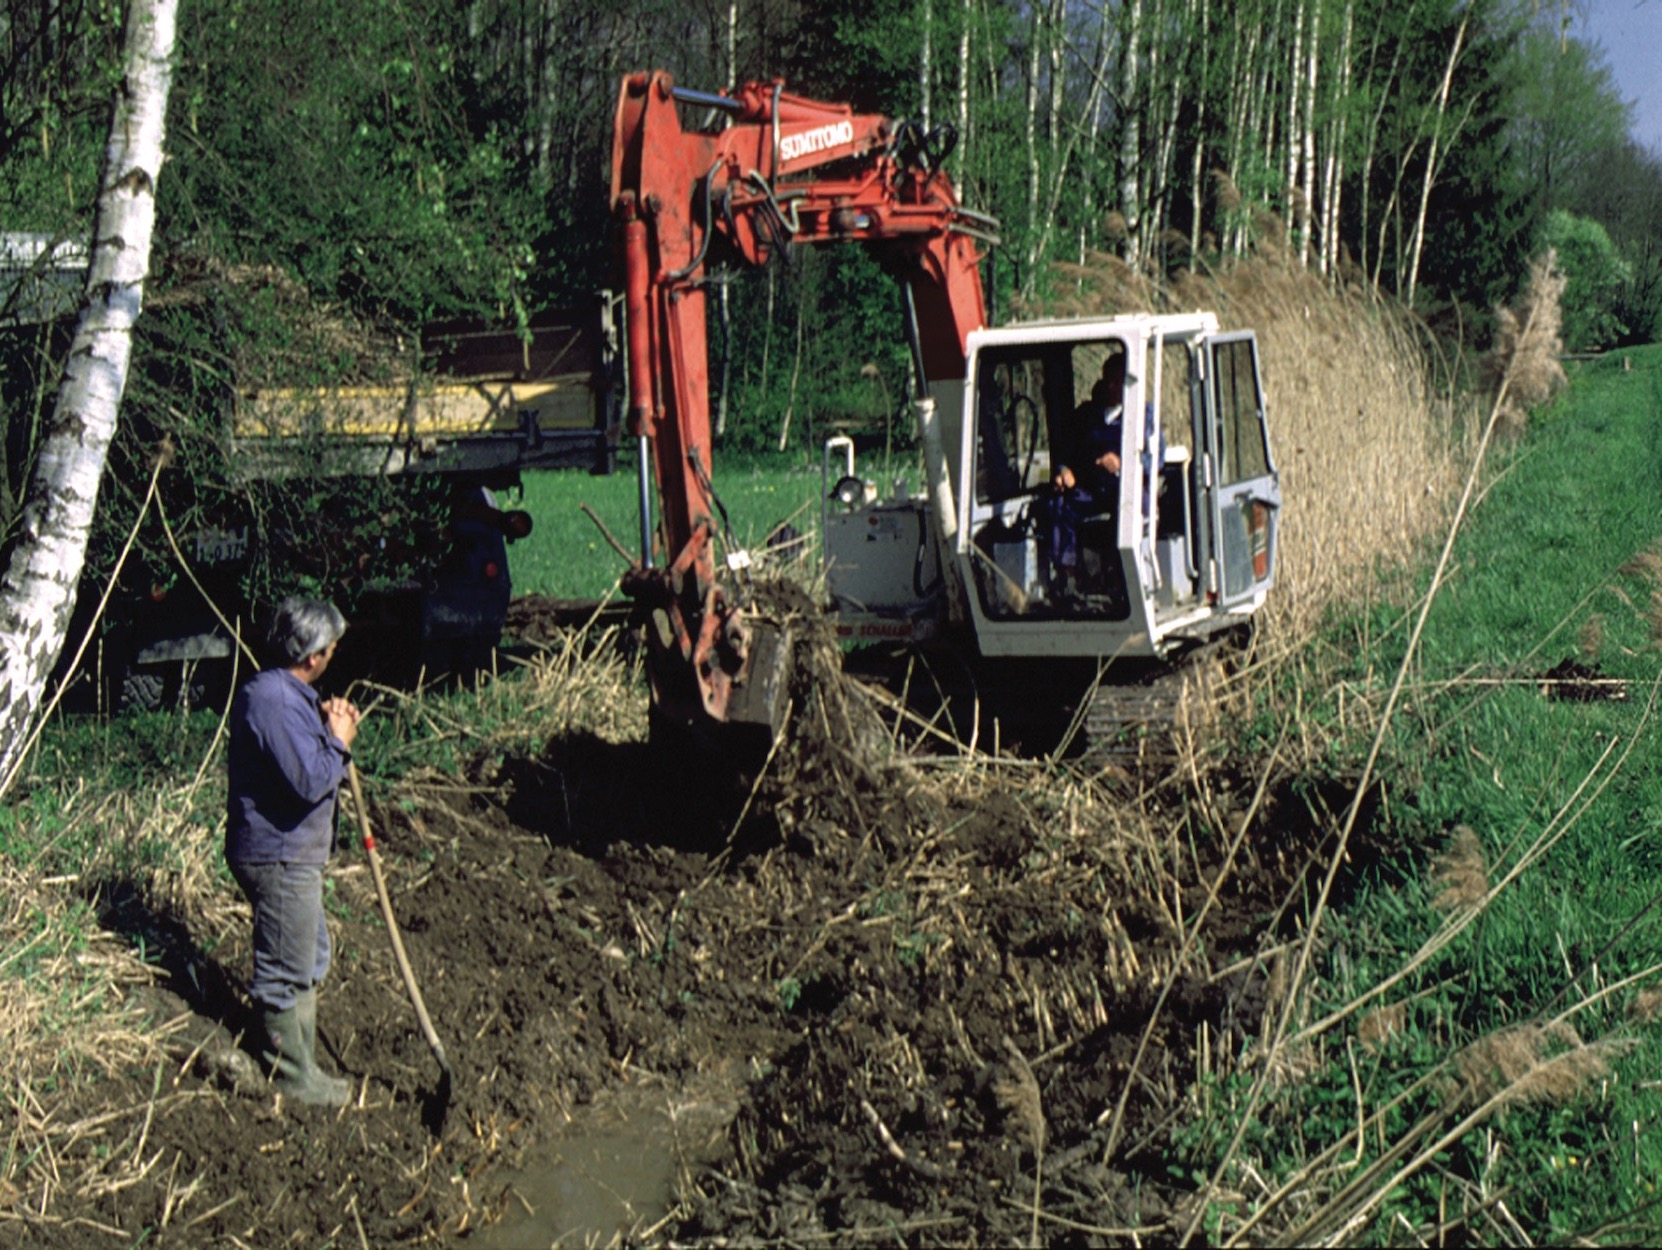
(1197, 168)
(1157, 185)
(1131, 138)
(731, 69)
(1383, 93)
(1060, 154)
(37, 592)
(1333, 173)
(1431, 159)
(1294, 121)
(1030, 140)
(964, 90)
(926, 56)
(1307, 138)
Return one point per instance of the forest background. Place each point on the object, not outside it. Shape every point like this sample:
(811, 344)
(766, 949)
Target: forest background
(340, 174)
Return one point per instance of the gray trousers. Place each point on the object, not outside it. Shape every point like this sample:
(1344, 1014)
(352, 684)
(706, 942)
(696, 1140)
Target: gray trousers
(291, 937)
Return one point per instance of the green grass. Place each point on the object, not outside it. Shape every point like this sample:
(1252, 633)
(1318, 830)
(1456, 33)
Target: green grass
(567, 557)
(1545, 566)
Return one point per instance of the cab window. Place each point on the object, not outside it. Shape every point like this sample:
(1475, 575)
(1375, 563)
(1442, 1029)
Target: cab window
(1245, 455)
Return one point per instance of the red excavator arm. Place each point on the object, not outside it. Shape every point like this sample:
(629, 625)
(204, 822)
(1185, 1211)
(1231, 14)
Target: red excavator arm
(782, 170)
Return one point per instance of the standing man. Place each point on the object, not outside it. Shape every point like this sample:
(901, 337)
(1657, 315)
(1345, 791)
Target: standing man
(287, 756)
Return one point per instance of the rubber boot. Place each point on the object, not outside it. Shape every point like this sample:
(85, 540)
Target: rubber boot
(291, 1063)
(306, 1005)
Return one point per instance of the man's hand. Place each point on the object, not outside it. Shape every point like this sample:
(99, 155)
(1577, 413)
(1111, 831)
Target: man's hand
(1064, 479)
(1109, 460)
(342, 719)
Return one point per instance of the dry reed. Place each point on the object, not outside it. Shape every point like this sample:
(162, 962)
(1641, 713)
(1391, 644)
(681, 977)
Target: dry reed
(1461, 873)
(1536, 1063)
(1368, 455)
(1528, 342)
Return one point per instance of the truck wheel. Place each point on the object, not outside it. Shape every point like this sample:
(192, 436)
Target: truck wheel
(142, 690)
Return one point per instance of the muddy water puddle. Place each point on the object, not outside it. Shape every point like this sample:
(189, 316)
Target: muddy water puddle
(613, 1169)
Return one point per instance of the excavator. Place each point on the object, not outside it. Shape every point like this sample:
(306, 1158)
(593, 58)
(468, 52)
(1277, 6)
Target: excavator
(1083, 607)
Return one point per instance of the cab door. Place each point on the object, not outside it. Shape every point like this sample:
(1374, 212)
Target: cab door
(1242, 487)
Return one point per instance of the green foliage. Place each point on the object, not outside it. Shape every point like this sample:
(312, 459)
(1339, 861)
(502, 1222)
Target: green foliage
(803, 334)
(59, 65)
(790, 992)
(1552, 567)
(322, 134)
(868, 55)
(1595, 279)
(1623, 192)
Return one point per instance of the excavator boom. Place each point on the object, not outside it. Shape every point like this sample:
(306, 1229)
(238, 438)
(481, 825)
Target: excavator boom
(1000, 557)
(777, 170)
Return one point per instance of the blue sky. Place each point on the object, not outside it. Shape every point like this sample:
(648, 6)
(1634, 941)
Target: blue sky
(1630, 32)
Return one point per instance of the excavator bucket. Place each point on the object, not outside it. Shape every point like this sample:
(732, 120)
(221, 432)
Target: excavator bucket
(763, 694)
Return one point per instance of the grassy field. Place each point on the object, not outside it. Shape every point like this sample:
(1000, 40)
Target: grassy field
(566, 556)
(1475, 1050)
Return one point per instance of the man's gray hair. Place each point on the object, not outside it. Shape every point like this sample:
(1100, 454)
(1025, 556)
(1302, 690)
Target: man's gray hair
(303, 627)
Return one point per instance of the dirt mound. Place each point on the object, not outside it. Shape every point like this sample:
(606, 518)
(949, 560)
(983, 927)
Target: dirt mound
(927, 983)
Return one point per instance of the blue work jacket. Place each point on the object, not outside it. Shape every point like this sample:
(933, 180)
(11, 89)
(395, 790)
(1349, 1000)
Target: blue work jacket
(284, 768)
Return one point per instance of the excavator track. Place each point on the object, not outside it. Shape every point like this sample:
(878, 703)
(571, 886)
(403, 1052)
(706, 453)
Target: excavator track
(1161, 717)
(1143, 715)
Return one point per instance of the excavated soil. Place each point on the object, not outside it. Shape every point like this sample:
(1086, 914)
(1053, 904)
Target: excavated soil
(871, 1014)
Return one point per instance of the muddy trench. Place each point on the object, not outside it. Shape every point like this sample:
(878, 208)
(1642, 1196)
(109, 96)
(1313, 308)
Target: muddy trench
(902, 1002)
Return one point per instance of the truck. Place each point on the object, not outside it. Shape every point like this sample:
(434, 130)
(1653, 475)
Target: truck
(426, 580)
(1179, 554)
(427, 585)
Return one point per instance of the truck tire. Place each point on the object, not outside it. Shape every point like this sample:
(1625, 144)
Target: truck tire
(142, 690)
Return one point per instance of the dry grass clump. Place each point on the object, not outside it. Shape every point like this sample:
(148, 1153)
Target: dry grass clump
(1376, 1029)
(1461, 873)
(1590, 640)
(1535, 1063)
(61, 995)
(1522, 364)
(1018, 1095)
(1648, 565)
(1101, 286)
(1647, 1006)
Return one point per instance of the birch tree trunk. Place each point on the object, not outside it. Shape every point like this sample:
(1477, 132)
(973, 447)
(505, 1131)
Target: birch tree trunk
(1030, 141)
(964, 144)
(1333, 172)
(1059, 155)
(926, 70)
(1307, 138)
(1131, 138)
(1197, 166)
(37, 592)
(1294, 217)
(1431, 160)
(1382, 95)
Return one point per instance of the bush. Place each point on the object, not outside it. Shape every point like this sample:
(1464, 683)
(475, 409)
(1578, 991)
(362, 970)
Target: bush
(1596, 277)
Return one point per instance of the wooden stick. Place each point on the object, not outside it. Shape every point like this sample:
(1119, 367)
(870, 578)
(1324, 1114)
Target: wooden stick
(392, 931)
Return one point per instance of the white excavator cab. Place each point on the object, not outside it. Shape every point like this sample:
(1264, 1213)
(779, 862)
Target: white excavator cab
(1163, 545)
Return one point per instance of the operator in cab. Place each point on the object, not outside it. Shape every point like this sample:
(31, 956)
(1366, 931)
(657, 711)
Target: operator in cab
(1091, 489)
(288, 753)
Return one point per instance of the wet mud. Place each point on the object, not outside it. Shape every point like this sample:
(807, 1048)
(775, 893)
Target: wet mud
(900, 1000)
